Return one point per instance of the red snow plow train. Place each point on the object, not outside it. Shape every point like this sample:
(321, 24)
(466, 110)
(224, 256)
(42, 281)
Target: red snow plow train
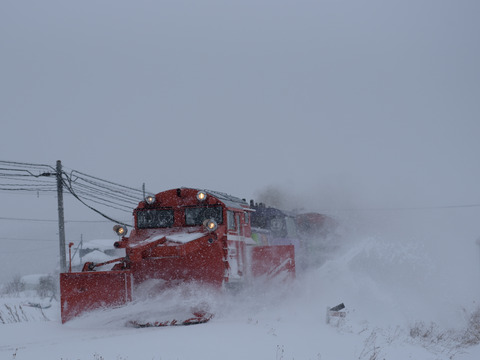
(180, 235)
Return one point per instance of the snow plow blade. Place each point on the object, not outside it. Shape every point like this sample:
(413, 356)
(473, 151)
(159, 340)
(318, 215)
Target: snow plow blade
(86, 291)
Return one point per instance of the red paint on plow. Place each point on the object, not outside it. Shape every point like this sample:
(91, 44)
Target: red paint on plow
(86, 291)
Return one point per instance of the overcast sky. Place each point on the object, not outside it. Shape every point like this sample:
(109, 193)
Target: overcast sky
(344, 103)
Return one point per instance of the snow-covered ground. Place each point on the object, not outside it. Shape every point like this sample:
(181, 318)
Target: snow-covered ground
(400, 304)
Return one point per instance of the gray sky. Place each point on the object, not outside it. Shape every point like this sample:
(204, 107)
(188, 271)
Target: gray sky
(342, 103)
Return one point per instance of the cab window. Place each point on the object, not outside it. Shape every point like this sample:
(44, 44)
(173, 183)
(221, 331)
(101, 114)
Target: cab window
(197, 215)
(155, 218)
(231, 220)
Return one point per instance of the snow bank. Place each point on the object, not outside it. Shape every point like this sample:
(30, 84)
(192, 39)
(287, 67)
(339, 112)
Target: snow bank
(24, 308)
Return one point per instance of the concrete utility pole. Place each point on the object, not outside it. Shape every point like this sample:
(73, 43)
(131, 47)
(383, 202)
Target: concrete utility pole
(61, 220)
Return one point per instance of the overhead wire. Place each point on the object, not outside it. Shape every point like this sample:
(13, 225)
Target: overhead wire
(51, 220)
(102, 197)
(107, 188)
(25, 177)
(91, 191)
(85, 188)
(91, 207)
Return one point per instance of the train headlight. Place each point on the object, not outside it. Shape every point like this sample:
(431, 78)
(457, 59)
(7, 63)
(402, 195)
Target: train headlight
(120, 230)
(201, 195)
(150, 199)
(210, 225)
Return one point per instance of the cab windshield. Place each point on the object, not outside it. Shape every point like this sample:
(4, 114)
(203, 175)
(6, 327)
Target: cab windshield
(154, 218)
(197, 215)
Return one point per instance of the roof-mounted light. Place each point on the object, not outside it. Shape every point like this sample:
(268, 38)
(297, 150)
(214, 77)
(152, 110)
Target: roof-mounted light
(120, 230)
(201, 196)
(210, 225)
(150, 199)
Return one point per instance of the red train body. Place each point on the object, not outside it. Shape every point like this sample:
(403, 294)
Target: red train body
(180, 235)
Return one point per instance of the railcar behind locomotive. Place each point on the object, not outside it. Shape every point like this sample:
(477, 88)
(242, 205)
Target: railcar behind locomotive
(310, 233)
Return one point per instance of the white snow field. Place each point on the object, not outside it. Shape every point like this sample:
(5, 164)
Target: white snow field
(403, 301)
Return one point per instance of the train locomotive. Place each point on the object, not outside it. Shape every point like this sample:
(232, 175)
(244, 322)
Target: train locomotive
(179, 235)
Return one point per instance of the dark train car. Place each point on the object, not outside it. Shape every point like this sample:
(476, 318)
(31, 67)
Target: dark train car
(310, 233)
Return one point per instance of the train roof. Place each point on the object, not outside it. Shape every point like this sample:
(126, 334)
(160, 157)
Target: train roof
(229, 200)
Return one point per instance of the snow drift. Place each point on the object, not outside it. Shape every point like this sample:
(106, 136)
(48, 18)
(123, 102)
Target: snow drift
(403, 293)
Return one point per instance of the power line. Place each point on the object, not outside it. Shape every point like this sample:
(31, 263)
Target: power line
(11, 163)
(51, 220)
(103, 191)
(26, 177)
(72, 191)
(93, 192)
